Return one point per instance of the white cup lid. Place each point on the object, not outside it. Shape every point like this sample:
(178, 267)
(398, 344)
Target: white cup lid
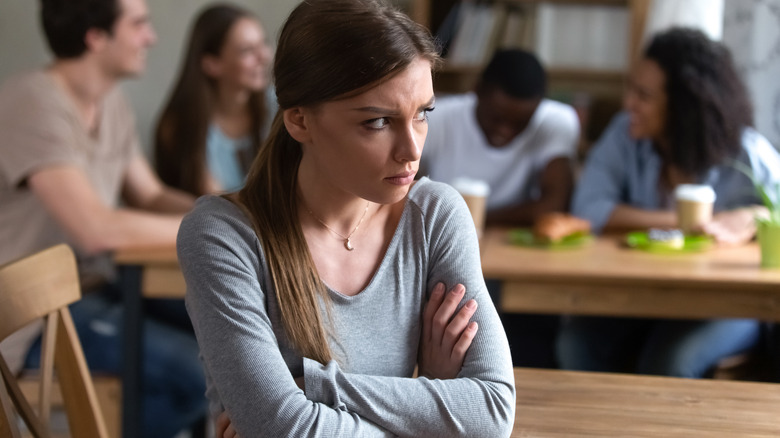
(471, 186)
(694, 193)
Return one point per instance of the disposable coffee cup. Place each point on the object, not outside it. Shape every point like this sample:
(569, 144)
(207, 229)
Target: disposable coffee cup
(475, 193)
(694, 206)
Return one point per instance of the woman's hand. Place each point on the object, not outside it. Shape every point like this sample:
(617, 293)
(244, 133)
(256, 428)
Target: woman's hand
(446, 335)
(224, 428)
(734, 227)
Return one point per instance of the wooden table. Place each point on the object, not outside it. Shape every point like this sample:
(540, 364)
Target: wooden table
(605, 278)
(554, 403)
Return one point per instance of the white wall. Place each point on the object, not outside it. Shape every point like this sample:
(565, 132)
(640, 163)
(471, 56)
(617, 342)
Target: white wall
(22, 46)
(752, 33)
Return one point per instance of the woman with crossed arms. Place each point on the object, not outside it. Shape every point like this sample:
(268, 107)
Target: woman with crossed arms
(317, 290)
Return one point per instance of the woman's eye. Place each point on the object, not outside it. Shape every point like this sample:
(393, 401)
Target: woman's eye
(423, 115)
(377, 123)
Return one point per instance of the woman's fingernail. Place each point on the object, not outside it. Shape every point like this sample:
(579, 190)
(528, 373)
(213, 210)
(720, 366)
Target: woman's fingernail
(473, 325)
(471, 304)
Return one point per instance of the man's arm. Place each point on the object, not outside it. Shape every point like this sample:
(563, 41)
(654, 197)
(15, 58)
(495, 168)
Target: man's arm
(143, 190)
(557, 184)
(625, 217)
(68, 195)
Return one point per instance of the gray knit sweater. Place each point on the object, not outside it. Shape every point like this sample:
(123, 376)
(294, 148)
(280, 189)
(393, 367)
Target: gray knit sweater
(369, 390)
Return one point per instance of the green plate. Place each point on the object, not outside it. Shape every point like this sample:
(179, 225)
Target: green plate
(639, 240)
(525, 237)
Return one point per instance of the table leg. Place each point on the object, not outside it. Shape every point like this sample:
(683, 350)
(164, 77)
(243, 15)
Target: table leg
(773, 345)
(132, 350)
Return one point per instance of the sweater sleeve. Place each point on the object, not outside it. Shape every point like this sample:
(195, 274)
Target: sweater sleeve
(218, 254)
(481, 400)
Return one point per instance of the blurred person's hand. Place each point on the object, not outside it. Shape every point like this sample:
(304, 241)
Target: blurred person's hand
(735, 227)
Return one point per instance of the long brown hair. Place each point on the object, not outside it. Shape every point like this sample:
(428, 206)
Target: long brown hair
(180, 137)
(328, 49)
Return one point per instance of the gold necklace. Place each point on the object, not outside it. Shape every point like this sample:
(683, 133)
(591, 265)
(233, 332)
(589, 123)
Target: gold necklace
(347, 243)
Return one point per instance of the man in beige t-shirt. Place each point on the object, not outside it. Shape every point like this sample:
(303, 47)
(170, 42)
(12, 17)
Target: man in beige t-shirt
(69, 155)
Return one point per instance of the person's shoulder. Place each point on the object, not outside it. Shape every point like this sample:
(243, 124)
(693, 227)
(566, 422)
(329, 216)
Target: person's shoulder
(433, 197)
(26, 89)
(620, 120)
(759, 149)
(613, 141)
(26, 80)
(754, 141)
(618, 129)
(559, 114)
(439, 208)
(214, 215)
(556, 106)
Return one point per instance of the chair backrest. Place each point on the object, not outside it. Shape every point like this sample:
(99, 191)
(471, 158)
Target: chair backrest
(42, 286)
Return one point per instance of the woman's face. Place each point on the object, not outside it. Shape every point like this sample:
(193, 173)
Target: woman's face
(646, 100)
(369, 145)
(244, 59)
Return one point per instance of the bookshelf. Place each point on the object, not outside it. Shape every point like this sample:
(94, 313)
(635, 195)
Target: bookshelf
(594, 81)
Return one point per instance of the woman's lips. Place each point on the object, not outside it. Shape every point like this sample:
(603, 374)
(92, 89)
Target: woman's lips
(401, 179)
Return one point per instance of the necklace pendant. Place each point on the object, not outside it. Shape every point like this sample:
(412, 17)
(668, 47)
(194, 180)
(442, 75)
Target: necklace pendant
(348, 245)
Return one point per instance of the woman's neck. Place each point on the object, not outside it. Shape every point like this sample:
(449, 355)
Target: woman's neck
(231, 100)
(340, 210)
(231, 112)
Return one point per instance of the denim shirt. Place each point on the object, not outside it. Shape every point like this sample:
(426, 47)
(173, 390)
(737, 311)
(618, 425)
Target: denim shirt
(622, 170)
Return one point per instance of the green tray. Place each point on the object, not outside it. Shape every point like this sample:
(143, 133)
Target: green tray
(525, 237)
(639, 240)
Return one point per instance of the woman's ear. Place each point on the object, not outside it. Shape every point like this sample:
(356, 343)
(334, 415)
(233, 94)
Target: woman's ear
(295, 121)
(211, 66)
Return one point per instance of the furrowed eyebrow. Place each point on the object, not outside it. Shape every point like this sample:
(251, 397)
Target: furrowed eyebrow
(377, 110)
(390, 112)
(428, 104)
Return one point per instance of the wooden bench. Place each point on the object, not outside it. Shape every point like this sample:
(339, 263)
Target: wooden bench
(554, 403)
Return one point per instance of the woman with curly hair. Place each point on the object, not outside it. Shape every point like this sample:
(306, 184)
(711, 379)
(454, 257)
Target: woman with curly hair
(687, 120)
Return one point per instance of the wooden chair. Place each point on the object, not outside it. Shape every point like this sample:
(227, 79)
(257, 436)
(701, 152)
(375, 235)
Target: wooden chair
(42, 286)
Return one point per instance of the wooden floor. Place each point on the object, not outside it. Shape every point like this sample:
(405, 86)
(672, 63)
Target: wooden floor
(553, 403)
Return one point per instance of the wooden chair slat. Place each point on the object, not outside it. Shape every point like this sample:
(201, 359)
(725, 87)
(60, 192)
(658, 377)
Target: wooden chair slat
(42, 286)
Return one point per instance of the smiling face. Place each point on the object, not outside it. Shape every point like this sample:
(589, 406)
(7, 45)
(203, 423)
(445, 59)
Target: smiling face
(123, 53)
(501, 116)
(244, 58)
(646, 100)
(368, 145)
